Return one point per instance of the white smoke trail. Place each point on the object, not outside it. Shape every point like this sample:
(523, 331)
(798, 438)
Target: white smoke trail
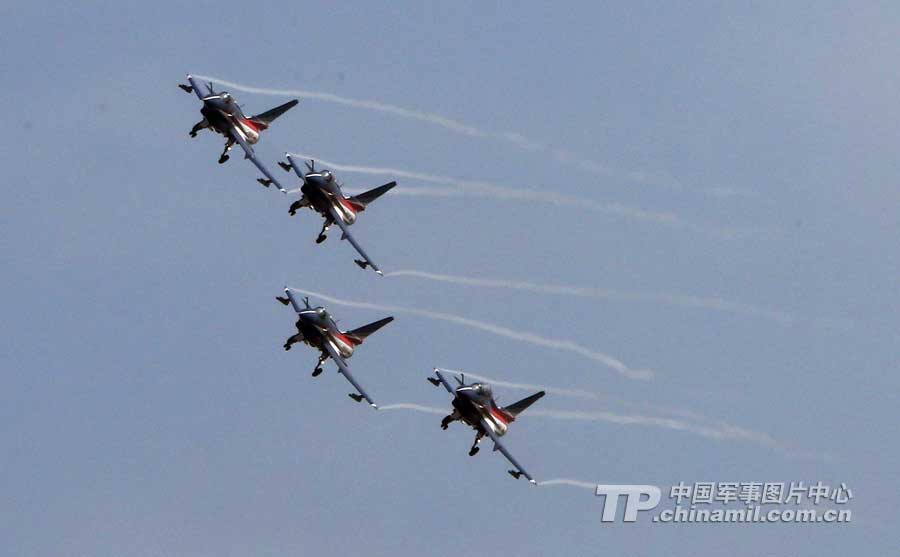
(706, 426)
(569, 482)
(494, 191)
(717, 304)
(722, 433)
(574, 393)
(498, 330)
(408, 191)
(430, 118)
(426, 192)
(411, 406)
(718, 434)
(580, 393)
(592, 416)
(516, 139)
(591, 395)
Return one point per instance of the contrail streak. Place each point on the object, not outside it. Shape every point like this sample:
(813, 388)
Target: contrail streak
(428, 117)
(705, 425)
(723, 433)
(494, 191)
(592, 395)
(408, 191)
(426, 192)
(579, 393)
(411, 406)
(719, 434)
(562, 414)
(518, 140)
(569, 482)
(716, 304)
(574, 393)
(498, 330)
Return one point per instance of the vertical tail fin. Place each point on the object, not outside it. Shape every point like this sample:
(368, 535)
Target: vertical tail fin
(363, 199)
(359, 334)
(517, 408)
(268, 116)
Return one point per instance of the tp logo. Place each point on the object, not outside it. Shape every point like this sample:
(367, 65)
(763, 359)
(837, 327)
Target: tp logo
(633, 501)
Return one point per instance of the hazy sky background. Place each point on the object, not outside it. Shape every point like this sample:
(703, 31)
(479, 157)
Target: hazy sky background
(147, 407)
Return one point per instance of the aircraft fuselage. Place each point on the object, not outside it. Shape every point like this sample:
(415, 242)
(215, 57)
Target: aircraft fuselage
(473, 407)
(323, 194)
(318, 329)
(225, 117)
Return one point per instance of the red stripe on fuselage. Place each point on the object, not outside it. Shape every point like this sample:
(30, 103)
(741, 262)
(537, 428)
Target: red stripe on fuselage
(349, 341)
(500, 415)
(255, 126)
(352, 207)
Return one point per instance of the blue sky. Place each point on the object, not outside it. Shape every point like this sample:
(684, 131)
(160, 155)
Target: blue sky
(147, 407)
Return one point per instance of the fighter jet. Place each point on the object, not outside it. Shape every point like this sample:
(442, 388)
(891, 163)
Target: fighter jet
(316, 328)
(321, 192)
(222, 114)
(474, 405)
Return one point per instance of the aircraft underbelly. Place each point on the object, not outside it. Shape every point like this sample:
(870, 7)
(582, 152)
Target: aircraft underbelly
(344, 348)
(347, 215)
(216, 121)
(497, 426)
(316, 198)
(472, 415)
(311, 336)
(249, 135)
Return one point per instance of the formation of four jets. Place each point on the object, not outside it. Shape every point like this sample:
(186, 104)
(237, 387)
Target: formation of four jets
(473, 404)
